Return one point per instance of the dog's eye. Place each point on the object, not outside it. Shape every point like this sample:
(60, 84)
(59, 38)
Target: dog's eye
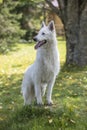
(43, 33)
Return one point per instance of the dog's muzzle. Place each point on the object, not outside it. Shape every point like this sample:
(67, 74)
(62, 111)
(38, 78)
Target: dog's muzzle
(35, 39)
(39, 43)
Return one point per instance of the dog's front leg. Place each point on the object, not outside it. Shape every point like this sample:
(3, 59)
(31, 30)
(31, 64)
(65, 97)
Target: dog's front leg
(38, 94)
(49, 91)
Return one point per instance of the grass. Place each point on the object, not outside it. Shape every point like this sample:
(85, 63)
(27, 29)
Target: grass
(1, 1)
(69, 111)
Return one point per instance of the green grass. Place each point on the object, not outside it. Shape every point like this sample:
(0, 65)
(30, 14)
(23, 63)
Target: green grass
(69, 111)
(1, 1)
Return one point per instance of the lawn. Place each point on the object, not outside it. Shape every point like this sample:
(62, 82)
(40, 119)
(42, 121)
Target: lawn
(0, 1)
(69, 111)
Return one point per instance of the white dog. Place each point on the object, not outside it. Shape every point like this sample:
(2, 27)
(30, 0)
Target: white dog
(43, 72)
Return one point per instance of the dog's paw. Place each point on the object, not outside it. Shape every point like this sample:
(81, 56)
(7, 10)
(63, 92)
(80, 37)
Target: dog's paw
(50, 103)
(39, 104)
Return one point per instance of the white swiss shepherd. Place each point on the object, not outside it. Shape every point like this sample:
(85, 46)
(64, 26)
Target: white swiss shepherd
(43, 72)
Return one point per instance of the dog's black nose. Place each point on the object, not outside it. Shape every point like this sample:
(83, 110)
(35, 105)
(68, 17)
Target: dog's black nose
(35, 39)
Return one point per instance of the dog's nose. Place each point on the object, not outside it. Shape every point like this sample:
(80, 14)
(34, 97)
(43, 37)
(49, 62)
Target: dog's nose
(35, 39)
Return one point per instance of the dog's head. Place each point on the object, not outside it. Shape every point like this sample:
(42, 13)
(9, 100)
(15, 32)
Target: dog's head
(45, 34)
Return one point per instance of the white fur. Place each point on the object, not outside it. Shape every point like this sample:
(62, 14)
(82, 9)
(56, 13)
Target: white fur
(43, 72)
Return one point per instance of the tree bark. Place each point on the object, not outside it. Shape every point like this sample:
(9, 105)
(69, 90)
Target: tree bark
(71, 31)
(76, 33)
(82, 48)
(73, 14)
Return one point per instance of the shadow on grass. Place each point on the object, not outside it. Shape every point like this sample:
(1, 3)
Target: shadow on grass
(30, 118)
(72, 68)
(10, 94)
(71, 82)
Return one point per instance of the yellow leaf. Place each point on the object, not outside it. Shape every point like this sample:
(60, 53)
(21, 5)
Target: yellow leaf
(50, 121)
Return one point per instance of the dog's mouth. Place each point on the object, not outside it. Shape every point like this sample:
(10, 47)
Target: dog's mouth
(40, 43)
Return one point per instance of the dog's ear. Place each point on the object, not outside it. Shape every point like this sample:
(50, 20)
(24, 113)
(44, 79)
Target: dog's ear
(43, 24)
(51, 26)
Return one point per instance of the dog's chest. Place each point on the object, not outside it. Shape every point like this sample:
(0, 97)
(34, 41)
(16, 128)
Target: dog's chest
(49, 65)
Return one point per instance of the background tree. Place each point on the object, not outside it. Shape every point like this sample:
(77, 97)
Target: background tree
(73, 14)
(19, 19)
(10, 30)
(31, 16)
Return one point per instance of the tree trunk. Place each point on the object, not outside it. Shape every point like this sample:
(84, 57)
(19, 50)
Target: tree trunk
(76, 34)
(71, 32)
(82, 47)
(73, 14)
